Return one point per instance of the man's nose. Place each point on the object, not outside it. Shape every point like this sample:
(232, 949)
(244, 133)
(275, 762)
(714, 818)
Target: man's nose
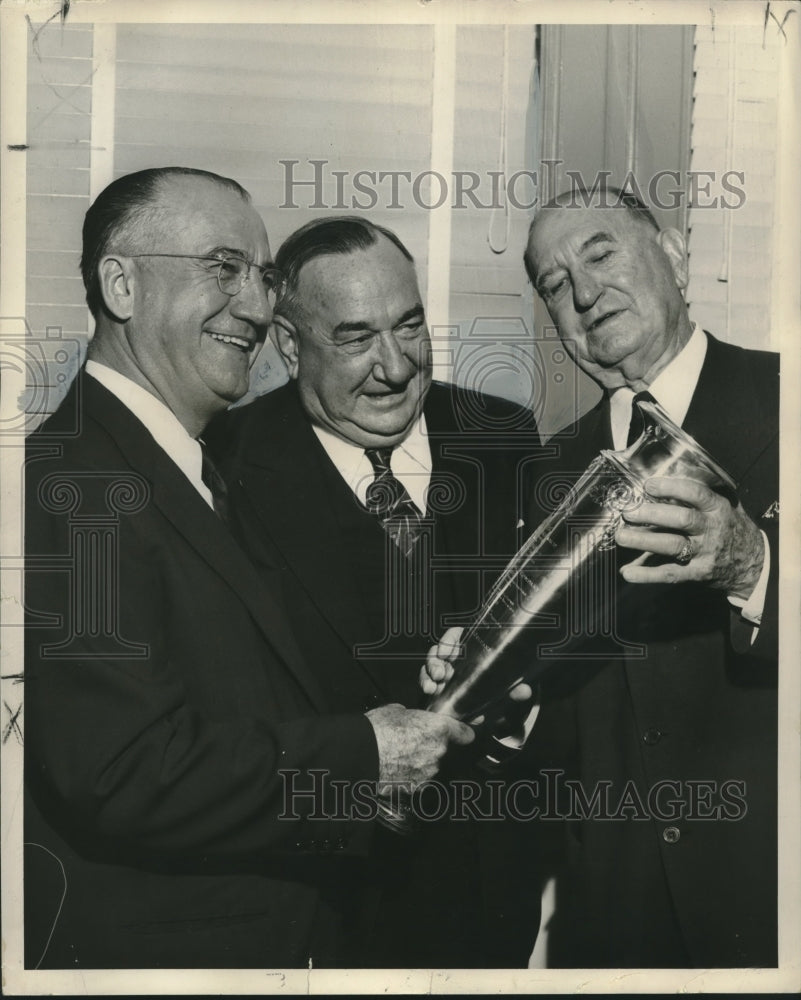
(251, 303)
(393, 365)
(585, 291)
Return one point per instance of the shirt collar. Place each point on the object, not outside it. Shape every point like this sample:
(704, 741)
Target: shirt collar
(411, 462)
(164, 427)
(672, 388)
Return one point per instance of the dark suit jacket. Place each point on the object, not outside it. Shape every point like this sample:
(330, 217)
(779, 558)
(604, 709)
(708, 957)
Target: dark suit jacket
(164, 691)
(697, 888)
(366, 618)
(297, 516)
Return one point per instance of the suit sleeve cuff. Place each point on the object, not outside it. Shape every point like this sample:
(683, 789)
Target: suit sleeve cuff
(330, 771)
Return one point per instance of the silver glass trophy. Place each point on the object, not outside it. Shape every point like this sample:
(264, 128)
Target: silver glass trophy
(558, 559)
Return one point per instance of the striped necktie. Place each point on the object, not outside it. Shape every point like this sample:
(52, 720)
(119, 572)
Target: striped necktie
(388, 500)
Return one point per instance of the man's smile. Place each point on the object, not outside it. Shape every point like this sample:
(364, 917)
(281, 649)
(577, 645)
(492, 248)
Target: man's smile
(241, 343)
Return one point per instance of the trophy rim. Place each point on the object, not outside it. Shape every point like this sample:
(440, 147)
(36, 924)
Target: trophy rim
(657, 413)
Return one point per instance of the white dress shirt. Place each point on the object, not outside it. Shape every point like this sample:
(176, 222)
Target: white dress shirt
(411, 462)
(164, 427)
(673, 389)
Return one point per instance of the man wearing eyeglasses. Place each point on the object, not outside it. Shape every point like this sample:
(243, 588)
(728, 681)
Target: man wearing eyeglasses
(165, 692)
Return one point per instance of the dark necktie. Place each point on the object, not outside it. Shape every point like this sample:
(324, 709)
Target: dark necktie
(216, 484)
(388, 500)
(637, 424)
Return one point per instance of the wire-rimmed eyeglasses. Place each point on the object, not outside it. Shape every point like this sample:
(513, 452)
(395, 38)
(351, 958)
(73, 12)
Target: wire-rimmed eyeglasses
(233, 272)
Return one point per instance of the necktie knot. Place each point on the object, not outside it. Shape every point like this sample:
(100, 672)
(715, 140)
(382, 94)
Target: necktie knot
(380, 459)
(637, 424)
(386, 491)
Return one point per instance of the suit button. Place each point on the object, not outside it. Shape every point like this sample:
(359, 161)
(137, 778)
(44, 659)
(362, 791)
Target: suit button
(651, 737)
(671, 834)
(340, 844)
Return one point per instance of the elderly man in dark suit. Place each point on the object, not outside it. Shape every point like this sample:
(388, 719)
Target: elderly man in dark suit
(167, 700)
(386, 505)
(686, 701)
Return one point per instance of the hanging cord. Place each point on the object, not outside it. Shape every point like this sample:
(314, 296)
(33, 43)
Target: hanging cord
(503, 209)
(731, 121)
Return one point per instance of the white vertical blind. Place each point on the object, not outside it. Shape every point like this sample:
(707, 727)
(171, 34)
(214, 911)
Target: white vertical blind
(439, 219)
(240, 99)
(734, 128)
(313, 120)
(306, 117)
(494, 133)
(59, 128)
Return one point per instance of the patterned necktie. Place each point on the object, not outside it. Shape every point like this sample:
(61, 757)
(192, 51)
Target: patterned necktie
(637, 424)
(388, 500)
(212, 479)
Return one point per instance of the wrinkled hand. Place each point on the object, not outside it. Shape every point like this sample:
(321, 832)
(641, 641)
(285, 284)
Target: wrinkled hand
(412, 744)
(725, 546)
(438, 669)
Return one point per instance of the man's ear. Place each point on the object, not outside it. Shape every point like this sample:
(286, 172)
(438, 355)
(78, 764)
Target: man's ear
(675, 248)
(285, 336)
(116, 279)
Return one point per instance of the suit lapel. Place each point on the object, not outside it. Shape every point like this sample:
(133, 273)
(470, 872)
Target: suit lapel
(456, 531)
(598, 427)
(583, 442)
(192, 518)
(724, 411)
(290, 493)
